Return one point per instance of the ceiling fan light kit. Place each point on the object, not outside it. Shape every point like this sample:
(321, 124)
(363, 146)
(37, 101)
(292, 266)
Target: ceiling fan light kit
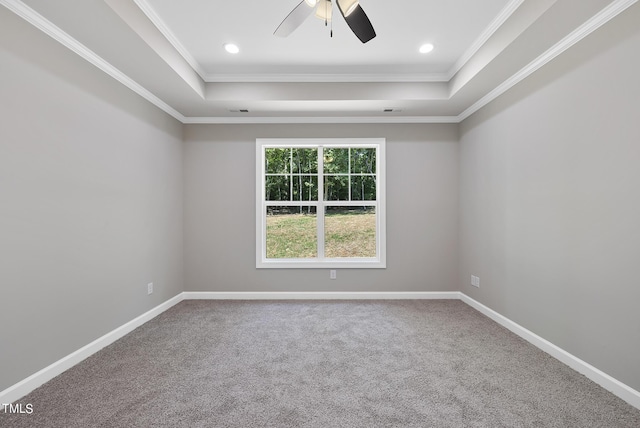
(350, 10)
(324, 10)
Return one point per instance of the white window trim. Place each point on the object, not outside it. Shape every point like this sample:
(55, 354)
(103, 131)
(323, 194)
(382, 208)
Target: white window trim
(378, 262)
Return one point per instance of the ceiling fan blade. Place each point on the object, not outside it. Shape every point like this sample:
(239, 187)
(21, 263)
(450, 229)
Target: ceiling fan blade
(297, 16)
(359, 23)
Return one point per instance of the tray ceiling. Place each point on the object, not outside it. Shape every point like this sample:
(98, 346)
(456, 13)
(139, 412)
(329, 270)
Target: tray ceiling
(172, 54)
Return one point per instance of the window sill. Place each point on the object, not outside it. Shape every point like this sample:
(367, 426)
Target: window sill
(325, 264)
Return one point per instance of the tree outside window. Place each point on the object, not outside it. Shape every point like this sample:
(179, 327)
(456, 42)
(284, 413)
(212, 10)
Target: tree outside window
(320, 203)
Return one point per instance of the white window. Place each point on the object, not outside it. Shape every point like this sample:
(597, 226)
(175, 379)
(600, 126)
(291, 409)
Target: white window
(320, 203)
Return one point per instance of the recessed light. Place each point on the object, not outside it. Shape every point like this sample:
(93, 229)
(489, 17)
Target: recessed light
(426, 48)
(231, 48)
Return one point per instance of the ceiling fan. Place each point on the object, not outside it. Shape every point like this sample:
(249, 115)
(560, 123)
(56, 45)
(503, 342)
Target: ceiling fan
(349, 9)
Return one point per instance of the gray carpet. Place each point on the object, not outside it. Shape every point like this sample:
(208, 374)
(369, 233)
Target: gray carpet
(322, 364)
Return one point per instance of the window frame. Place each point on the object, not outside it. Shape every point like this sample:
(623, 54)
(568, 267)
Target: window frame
(321, 262)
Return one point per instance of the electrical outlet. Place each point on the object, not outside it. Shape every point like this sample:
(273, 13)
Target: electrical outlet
(475, 281)
(332, 274)
(150, 288)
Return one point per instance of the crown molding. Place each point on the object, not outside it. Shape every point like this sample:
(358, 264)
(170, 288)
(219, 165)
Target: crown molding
(595, 22)
(325, 77)
(155, 19)
(320, 119)
(41, 23)
(504, 14)
(53, 31)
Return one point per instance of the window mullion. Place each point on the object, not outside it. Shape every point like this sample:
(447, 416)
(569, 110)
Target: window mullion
(320, 209)
(291, 174)
(349, 174)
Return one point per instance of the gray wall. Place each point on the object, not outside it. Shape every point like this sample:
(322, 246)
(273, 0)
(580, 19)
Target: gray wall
(422, 210)
(550, 201)
(540, 200)
(90, 202)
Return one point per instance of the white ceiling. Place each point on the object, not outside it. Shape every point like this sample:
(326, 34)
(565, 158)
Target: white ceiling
(171, 53)
(202, 26)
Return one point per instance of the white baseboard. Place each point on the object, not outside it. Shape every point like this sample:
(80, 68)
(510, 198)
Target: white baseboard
(27, 385)
(609, 383)
(320, 295)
